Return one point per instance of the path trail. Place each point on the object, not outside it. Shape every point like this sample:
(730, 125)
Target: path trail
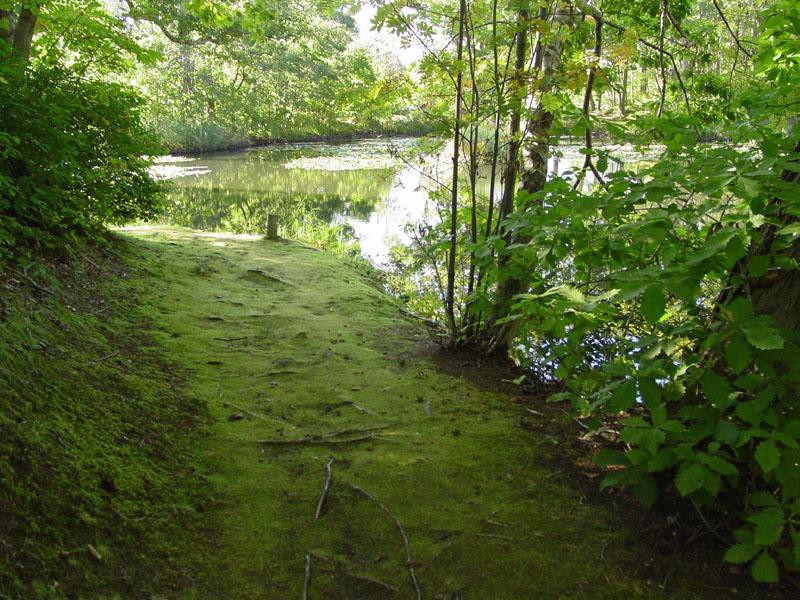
(287, 343)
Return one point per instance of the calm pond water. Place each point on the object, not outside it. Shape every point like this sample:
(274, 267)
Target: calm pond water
(361, 184)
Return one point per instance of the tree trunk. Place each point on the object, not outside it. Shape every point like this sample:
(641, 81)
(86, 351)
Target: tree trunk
(643, 85)
(23, 33)
(533, 179)
(775, 294)
(449, 302)
(623, 96)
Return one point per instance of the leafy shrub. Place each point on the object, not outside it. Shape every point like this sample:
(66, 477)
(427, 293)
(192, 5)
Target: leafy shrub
(645, 326)
(666, 301)
(71, 158)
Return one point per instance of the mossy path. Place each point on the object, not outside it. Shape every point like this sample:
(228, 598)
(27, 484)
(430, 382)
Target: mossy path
(287, 343)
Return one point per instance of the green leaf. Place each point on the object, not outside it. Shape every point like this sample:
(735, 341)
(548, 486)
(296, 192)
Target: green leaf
(570, 294)
(602, 163)
(653, 303)
(651, 392)
(736, 250)
(769, 526)
(738, 354)
(741, 553)
(749, 187)
(716, 388)
(793, 229)
(608, 457)
(690, 478)
(623, 397)
(646, 491)
(762, 334)
(768, 455)
(720, 465)
(758, 265)
(764, 569)
(797, 548)
(726, 432)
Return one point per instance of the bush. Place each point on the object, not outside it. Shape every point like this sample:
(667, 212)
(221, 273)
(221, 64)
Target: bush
(72, 158)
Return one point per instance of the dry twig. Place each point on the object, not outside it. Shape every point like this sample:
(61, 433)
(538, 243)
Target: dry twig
(307, 579)
(406, 543)
(315, 441)
(325, 488)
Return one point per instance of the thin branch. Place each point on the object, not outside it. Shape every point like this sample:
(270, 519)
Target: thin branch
(406, 543)
(728, 27)
(307, 578)
(315, 441)
(661, 30)
(30, 280)
(346, 570)
(325, 488)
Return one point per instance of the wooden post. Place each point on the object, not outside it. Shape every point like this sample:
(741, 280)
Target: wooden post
(272, 227)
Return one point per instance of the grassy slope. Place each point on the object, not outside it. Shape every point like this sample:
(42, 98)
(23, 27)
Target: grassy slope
(97, 487)
(299, 345)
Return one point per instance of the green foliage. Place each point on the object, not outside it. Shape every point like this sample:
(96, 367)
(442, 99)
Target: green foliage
(71, 159)
(644, 301)
(292, 74)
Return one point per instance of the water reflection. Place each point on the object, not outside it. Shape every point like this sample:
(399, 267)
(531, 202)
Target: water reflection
(359, 184)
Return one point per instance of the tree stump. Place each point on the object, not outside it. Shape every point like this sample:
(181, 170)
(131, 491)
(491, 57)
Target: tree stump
(272, 227)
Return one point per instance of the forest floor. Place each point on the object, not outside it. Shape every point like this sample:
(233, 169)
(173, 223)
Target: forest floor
(347, 458)
(212, 416)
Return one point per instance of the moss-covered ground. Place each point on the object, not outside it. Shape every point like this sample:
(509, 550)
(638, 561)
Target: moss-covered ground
(305, 366)
(99, 484)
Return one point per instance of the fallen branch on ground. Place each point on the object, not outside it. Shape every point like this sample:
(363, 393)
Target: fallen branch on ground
(414, 315)
(256, 415)
(345, 432)
(307, 578)
(330, 407)
(106, 357)
(315, 441)
(32, 281)
(325, 488)
(406, 543)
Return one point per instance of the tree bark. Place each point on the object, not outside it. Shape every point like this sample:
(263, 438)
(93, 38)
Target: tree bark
(23, 33)
(775, 293)
(449, 302)
(778, 294)
(511, 170)
(533, 179)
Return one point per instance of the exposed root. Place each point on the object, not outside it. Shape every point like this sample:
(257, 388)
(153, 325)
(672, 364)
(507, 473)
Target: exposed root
(406, 543)
(345, 569)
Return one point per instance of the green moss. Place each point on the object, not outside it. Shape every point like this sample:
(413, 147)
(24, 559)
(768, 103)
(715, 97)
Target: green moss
(109, 380)
(97, 480)
(298, 344)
